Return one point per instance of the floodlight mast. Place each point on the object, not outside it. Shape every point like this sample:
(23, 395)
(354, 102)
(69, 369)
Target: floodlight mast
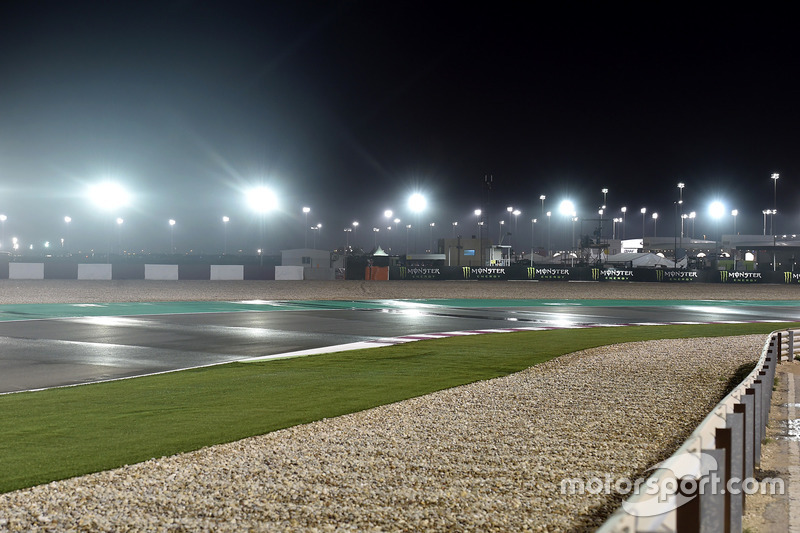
(306, 210)
(225, 221)
(417, 203)
(774, 178)
(108, 196)
(262, 200)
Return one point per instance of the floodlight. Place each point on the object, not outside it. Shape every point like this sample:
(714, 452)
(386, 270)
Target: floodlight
(262, 199)
(109, 195)
(716, 209)
(417, 202)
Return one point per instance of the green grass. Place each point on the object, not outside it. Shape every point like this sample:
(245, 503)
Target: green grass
(61, 433)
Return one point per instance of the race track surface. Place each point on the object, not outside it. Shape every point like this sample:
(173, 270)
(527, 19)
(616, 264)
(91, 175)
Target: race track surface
(48, 345)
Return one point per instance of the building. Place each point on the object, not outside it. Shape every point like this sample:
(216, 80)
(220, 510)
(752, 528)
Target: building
(317, 264)
(460, 251)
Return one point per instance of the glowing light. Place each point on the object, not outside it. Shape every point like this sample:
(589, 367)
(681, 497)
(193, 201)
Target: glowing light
(417, 202)
(566, 207)
(716, 209)
(109, 195)
(262, 199)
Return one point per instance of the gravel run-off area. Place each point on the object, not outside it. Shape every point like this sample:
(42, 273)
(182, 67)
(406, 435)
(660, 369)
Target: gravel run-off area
(489, 456)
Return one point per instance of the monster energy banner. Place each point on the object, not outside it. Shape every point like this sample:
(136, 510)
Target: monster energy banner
(791, 277)
(419, 273)
(740, 277)
(682, 276)
(549, 273)
(484, 273)
(598, 274)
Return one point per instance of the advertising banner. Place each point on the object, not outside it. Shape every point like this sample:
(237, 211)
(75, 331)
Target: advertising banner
(485, 273)
(791, 277)
(726, 276)
(679, 276)
(416, 273)
(612, 274)
(550, 273)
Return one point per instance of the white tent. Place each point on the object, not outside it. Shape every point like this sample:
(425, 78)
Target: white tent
(644, 260)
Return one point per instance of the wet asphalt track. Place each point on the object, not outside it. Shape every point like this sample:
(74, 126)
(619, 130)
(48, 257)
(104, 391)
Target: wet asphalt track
(46, 346)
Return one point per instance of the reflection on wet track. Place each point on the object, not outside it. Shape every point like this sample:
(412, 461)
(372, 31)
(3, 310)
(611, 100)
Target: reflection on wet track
(90, 346)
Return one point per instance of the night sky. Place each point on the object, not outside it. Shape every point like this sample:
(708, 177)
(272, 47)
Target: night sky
(349, 107)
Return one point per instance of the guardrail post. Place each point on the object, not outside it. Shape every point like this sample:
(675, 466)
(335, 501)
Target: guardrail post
(731, 439)
(712, 496)
(790, 347)
(704, 509)
(746, 408)
(688, 515)
(757, 399)
(779, 346)
(766, 396)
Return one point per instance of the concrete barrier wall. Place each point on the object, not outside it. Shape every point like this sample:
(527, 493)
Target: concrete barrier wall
(195, 272)
(289, 273)
(26, 271)
(161, 272)
(61, 271)
(94, 271)
(127, 271)
(227, 272)
(256, 272)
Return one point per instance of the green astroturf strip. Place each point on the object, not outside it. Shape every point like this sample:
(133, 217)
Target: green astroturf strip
(43, 311)
(60, 433)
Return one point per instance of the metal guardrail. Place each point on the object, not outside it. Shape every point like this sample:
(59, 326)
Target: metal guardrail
(680, 495)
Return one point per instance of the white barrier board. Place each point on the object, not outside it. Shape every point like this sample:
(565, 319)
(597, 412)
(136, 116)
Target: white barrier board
(26, 271)
(227, 272)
